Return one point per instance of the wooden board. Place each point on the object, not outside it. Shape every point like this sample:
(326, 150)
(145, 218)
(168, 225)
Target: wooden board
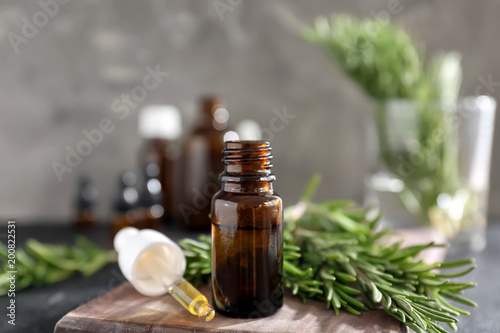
(125, 310)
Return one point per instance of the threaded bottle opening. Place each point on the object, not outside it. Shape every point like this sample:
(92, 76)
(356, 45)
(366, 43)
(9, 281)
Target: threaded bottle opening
(247, 161)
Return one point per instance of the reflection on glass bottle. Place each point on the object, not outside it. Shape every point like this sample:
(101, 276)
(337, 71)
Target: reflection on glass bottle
(85, 200)
(160, 126)
(125, 214)
(202, 154)
(150, 211)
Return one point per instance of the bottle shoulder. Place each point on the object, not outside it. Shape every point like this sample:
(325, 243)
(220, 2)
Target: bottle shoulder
(206, 131)
(250, 197)
(204, 138)
(244, 210)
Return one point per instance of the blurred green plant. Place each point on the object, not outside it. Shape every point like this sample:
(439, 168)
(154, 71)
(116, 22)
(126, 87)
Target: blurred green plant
(41, 264)
(334, 253)
(389, 65)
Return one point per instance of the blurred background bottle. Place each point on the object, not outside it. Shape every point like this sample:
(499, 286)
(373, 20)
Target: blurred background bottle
(202, 155)
(150, 210)
(125, 213)
(86, 197)
(161, 127)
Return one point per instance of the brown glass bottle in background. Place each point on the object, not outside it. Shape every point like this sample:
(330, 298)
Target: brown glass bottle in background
(125, 212)
(202, 154)
(85, 200)
(150, 210)
(160, 126)
(247, 257)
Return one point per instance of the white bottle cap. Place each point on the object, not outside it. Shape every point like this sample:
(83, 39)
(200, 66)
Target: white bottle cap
(147, 258)
(160, 121)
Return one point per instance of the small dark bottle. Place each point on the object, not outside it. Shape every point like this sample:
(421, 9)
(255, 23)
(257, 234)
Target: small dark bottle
(150, 211)
(85, 200)
(247, 257)
(125, 213)
(202, 154)
(160, 126)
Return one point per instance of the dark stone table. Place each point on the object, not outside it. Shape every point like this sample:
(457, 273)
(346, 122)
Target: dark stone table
(38, 310)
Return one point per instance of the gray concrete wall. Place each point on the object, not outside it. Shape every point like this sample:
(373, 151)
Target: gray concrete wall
(64, 78)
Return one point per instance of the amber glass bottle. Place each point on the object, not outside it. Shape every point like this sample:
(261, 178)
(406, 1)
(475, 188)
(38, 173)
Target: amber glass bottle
(150, 209)
(247, 257)
(202, 154)
(161, 128)
(85, 201)
(125, 205)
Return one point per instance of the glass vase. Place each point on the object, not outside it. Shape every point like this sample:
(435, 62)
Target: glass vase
(429, 166)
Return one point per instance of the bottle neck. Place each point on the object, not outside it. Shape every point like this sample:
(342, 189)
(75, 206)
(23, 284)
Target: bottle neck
(247, 167)
(214, 114)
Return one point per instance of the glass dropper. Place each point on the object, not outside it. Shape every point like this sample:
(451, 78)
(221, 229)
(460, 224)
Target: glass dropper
(154, 264)
(183, 291)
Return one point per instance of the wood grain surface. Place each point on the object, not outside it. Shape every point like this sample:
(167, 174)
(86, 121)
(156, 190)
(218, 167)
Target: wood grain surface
(125, 310)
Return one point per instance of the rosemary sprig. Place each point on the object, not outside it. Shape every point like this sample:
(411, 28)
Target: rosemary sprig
(41, 264)
(334, 253)
(384, 60)
(198, 259)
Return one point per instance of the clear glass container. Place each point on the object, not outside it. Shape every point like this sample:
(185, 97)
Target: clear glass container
(429, 166)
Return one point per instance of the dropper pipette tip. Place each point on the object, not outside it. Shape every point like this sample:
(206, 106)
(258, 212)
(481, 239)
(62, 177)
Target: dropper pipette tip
(206, 312)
